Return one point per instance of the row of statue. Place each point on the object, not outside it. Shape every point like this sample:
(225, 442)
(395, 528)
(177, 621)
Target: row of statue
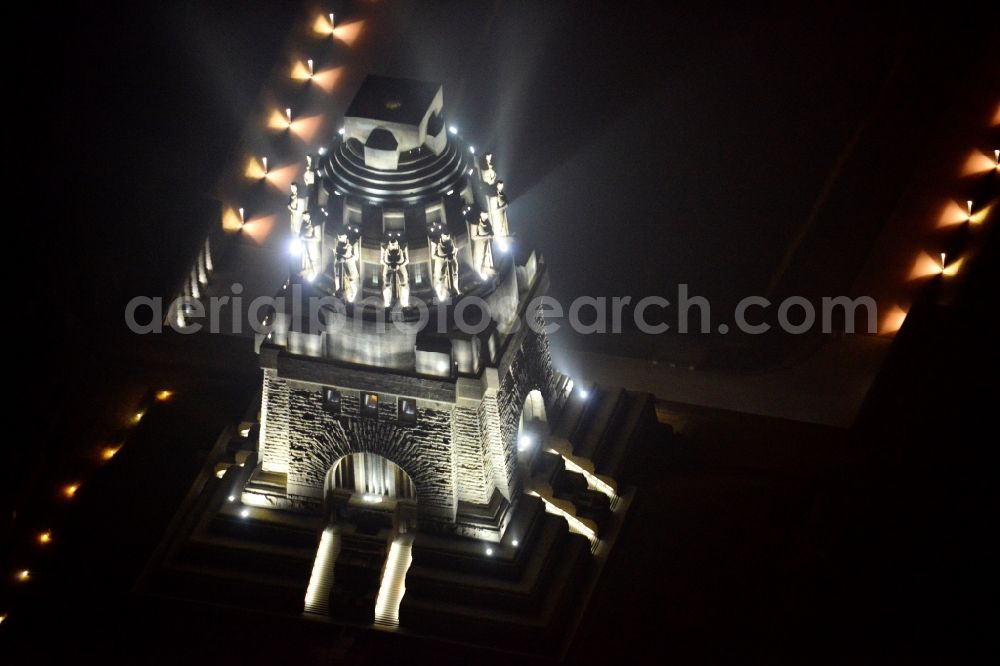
(308, 217)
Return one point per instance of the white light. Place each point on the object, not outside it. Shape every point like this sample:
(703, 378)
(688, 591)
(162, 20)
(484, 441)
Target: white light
(337, 192)
(310, 63)
(243, 217)
(316, 587)
(322, 150)
(232, 498)
(449, 193)
(371, 499)
(245, 513)
(943, 262)
(453, 129)
(514, 543)
(288, 116)
(489, 551)
(470, 172)
(295, 247)
(996, 156)
(333, 23)
(969, 204)
(502, 244)
(524, 441)
(583, 393)
(263, 161)
(340, 131)
(472, 149)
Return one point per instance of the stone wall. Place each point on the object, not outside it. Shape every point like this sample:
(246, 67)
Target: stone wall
(318, 438)
(473, 468)
(454, 452)
(530, 369)
(274, 423)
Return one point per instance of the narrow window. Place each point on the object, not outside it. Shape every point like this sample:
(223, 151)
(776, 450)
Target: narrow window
(369, 405)
(407, 410)
(331, 400)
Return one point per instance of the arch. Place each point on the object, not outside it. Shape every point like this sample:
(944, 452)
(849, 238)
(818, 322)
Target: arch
(532, 425)
(384, 438)
(371, 476)
(534, 407)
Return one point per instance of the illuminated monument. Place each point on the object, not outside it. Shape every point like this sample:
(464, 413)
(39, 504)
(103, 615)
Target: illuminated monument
(418, 461)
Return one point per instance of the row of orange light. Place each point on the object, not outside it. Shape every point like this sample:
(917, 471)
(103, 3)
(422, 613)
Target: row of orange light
(925, 265)
(257, 167)
(69, 490)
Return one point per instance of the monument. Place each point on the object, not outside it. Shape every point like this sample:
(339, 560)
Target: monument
(416, 459)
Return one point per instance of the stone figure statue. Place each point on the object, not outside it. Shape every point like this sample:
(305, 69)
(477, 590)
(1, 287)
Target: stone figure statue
(481, 233)
(395, 282)
(311, 239)
(487, 171)
(345, 275)
(498, 211)
(297, 208)
(446, 273)
(316, 196)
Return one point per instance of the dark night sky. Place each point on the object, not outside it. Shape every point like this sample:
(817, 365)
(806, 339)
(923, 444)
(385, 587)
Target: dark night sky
(643, 146)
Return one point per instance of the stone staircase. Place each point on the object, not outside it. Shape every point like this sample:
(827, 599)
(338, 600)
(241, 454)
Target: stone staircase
(393, 585)
(578, 473)
(321, 580)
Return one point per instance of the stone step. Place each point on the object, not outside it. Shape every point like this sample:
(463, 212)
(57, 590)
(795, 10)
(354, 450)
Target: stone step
(393, 585)
(321, 580)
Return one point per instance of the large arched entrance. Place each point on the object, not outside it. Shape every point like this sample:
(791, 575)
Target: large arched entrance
(532, 427)
(371, 479)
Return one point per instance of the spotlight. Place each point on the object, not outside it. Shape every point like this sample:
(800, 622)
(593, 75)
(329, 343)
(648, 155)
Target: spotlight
(108, 452)
(583, 393)
(45, 537)
(263, 162)
(69, 490)
(470, 172)
(164, 395)
(943, 262)
(295, 247)
(341, 131)
(453, 129)
(996, 157)
(231, 498)
(472, 149)
(310, 65)
(245, 513)
(969, 205)
(333, 22)
(489, 552)
(288, 116)
(322, 150)
(23, 575)
(524, 441)
(243, 217)
(514, 543)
